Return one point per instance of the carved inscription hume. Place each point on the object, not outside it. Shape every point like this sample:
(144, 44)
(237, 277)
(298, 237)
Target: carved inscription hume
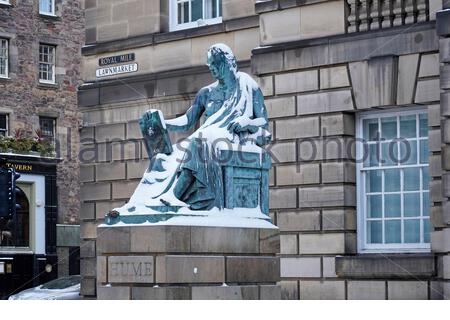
(130, 269)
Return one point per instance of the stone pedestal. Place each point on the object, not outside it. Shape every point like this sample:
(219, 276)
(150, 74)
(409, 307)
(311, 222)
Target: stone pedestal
(187, 262)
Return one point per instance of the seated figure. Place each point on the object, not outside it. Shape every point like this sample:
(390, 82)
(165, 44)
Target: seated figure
(189, 175)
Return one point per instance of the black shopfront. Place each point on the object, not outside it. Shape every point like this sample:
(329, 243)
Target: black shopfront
(28, 241)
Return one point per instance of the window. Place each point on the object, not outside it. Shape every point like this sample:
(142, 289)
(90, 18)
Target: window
(393, 179)
(4, 53)
(47, 126)
(47, 63)
(47, 7)
(3, 125)
(186, 14)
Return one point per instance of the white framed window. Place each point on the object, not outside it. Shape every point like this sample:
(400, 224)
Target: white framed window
(4, 125)
(47, 63)
(4, 58)
(47, 126)
(47, 7)
(393, 182)
(4, 2)
(186, 14)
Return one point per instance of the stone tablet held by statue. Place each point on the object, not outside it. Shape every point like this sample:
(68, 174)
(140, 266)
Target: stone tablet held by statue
(155, 133)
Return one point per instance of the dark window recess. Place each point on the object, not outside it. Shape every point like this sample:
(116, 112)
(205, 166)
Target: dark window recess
(74, 260)
(47, 126)
(3, 125)
(15, 231)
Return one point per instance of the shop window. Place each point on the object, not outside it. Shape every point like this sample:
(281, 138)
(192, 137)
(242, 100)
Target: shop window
(47, 63)
(3, 125)
(393, 182)
(186, 14)
(47, 7)
(4, 58)
(15, 231)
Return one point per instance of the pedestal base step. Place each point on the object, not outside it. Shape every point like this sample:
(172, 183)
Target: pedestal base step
(232, 292)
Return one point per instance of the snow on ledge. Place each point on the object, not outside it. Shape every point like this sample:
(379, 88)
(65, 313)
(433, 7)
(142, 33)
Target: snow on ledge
(203, 222)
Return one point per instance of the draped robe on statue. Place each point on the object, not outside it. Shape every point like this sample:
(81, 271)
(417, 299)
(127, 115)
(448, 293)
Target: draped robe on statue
(160, 186)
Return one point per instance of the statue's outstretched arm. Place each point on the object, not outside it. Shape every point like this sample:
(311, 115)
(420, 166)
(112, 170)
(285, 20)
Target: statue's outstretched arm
(192, 115)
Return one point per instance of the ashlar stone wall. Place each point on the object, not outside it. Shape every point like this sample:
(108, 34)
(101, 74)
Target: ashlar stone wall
(441, 238)
(313, 92)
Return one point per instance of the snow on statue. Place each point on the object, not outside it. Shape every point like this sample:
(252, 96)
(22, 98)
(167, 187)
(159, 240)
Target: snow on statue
(195, 180)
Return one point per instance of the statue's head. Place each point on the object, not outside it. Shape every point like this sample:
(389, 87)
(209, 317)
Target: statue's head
(221, 61)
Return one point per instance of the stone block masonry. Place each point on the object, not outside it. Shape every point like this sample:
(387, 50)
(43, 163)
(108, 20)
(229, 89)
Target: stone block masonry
(317, 91)
(178, 263)
(442, 235)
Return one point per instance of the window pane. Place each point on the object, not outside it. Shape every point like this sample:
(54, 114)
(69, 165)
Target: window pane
(426, 230)
(372, 159)
(374, 232)
(183, 12)
(424, 154)
(426, 204)
(412, 231)
(3, 57)
(392, 180)
(374, 209)
(408, 126)
(46, 62)
(392, 205)
(411, 204)
(389, 128)
(425, 179)
(423, 125)
(392, 231)
(411, 179)
(370, 128)
(215, 10)
(408, 152)
(210, 9)
(47, 126)
(3, 125)
(46, 6)
(373, 181)
(389, 154)
(2, 121)
(197, 10)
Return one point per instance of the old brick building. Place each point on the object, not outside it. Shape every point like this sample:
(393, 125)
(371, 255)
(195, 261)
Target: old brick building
(40, 62)
(357, 97)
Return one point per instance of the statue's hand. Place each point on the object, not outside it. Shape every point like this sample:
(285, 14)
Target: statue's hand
(238, 125)
(241, 125)
(144, 122)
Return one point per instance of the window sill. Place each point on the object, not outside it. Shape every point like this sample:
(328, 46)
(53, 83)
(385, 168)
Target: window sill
(193, 25)
(5, 5)
(6, 79)
(49, 16)
(48, 85)
(387, 266)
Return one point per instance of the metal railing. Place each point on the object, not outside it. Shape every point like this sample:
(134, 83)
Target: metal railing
(366, 15)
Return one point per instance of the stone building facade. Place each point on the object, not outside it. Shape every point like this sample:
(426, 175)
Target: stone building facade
(344, 83)
(31, 101)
